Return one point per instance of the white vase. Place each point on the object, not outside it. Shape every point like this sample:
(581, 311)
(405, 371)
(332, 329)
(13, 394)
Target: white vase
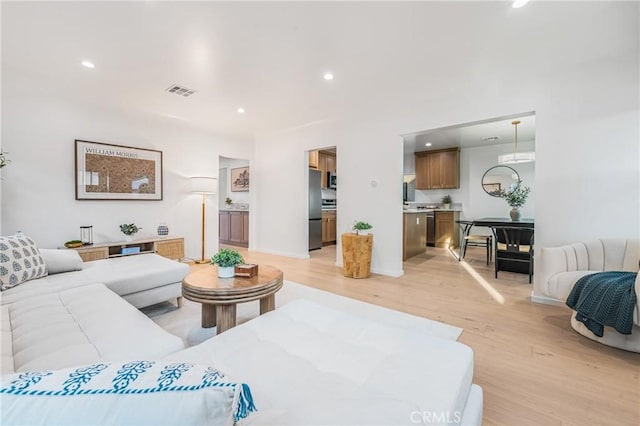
(128, 238)
(226, 272)
(364, 231)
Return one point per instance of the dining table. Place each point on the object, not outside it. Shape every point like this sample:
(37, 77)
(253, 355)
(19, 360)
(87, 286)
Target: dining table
(489, 222)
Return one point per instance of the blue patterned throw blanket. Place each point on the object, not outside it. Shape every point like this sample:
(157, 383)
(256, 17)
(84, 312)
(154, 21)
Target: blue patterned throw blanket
(605, 299)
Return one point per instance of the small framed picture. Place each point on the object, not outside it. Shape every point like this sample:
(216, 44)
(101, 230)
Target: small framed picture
(240, 179)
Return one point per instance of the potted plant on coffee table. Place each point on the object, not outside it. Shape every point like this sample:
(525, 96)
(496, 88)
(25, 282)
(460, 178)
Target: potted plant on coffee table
(129, 230)
(227, 260)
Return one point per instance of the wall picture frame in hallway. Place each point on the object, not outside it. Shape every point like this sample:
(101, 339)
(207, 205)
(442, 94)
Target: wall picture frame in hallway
(115, 172)
(240, 179)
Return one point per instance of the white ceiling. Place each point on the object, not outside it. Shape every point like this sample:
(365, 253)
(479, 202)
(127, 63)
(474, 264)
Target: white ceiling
(266, 57)
(473, 135)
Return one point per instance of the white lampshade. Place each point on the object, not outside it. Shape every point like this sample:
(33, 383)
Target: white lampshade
(517, 158)
(203, 185)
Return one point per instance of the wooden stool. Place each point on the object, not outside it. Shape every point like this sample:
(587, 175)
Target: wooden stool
(356, 255)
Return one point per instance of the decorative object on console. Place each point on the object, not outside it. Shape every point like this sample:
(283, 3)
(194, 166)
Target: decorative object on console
(73, 244)
(246, 270)
(115, 172)
(240, 179)
(227, 260)
(517, 157)
(86, 235)
(446, 202)
(163, 230)
(361, 228)
(228, 202)
(21, 261)
(129, 230)
(203, 186)
(516, 198)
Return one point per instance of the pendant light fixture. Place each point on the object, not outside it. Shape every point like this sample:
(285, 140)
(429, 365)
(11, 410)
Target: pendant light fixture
(517, 157)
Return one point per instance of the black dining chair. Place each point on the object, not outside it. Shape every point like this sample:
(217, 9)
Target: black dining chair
(513, 249)
(473, 240)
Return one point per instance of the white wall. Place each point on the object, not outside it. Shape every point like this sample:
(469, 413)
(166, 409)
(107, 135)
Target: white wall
(476, 203)
(38, 187)
(237, 197)
(587, 133)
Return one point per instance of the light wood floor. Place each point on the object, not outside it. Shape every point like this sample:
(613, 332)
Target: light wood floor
(534, 369)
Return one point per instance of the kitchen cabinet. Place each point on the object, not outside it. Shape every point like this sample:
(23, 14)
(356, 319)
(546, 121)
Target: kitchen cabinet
(313, 159)
(438, 169)
(329, 228)
(233, 228)
(327, 163)
(414, 234)
(447, 230)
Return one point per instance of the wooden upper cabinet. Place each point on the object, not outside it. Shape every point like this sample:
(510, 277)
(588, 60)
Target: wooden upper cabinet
(422, 172)
(314, 161)
(438, 169)
(326, 163)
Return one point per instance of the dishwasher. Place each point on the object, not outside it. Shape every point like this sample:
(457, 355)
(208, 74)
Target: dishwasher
(431, 229)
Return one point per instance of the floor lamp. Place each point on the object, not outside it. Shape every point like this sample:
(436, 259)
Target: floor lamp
(204, 186)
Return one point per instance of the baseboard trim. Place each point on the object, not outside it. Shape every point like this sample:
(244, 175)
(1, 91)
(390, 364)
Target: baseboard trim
(282, 253)
(545, 300)
(393, 274)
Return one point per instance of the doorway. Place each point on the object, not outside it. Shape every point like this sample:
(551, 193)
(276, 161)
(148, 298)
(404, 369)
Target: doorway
(234, 195)
(323, 199)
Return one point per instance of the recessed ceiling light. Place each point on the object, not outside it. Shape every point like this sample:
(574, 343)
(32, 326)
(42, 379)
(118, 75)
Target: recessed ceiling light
(240, 110)
(328, 76)
(519, 3)
(88, 64)
(428, 144)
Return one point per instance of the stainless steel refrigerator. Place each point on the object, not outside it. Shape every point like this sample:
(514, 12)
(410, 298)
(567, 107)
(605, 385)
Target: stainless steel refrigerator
(315, 210)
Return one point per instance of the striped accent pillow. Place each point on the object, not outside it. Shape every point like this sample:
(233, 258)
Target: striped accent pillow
(130, 392)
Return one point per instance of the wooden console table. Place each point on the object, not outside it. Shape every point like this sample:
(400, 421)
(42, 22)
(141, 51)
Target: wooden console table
(170, 247)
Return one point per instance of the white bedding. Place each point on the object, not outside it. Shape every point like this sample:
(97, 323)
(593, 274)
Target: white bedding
(310, 364)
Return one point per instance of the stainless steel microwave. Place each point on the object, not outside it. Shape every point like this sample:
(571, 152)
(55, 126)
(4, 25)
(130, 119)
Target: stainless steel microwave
(331, 180)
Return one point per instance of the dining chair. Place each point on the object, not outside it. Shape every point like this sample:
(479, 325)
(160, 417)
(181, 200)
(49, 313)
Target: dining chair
(513, 247)
(473, 240)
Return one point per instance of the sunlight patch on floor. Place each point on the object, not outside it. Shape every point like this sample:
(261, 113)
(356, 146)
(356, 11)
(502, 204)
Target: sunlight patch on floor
(483, 283)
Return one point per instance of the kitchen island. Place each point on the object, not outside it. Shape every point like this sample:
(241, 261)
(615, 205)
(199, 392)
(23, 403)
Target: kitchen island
(418, 233)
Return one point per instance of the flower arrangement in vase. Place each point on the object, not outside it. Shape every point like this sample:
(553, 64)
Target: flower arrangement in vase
(516, 198)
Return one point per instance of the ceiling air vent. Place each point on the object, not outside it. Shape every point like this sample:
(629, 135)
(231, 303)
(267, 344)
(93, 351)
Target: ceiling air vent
(491, 138)
(180, 90)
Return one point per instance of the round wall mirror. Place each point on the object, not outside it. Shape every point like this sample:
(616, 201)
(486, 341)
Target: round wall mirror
(499, 178)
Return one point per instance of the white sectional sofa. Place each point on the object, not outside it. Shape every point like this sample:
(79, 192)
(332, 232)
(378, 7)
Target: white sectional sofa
(561, 267)
(306, 363)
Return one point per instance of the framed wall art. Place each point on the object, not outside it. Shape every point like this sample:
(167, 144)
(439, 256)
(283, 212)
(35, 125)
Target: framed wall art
(240, 179)
(116, 172)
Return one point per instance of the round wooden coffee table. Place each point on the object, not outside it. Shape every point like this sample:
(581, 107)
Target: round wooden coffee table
(219, 296)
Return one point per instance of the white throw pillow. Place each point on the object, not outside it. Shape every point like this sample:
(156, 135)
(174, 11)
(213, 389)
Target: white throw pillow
(20, 261)
(58, 261)
(128, 392)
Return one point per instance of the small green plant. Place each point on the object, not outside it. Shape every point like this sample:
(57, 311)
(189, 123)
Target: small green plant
(446, 199)
(129, 228)
(360, 226)
(226, 258)
(3, 159)
(516, 197)
(228, 201)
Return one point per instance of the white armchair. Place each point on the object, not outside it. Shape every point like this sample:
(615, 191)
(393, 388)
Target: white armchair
(561, 267)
